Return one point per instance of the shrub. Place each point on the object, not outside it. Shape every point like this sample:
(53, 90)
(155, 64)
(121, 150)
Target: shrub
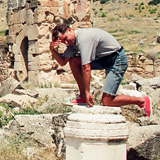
(2, 33)
(4, 119)
(103, 15)
(152, 11)
(104, 1)
(131, 16)
(154, 2)
(95, 12)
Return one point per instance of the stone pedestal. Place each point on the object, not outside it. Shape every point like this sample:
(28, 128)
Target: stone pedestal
(96, 133)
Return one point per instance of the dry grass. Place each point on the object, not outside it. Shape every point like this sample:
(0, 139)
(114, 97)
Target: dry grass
(136, 31)
(16, 149)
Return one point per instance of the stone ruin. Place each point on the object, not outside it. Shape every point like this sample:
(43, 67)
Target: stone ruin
(29, 34)
(30, 23)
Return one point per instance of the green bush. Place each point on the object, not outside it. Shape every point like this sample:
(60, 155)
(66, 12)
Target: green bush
(152, 11)
(95, 12)
(2, 33)
(4, 120)
(154, 2)
(131, 16)
(103, 15)
(104, 1)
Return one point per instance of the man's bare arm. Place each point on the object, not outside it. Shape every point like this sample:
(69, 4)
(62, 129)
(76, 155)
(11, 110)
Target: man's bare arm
(61, 60)
(86, 72)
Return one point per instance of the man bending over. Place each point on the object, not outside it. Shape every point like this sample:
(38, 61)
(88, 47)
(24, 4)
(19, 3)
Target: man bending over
(98, 50)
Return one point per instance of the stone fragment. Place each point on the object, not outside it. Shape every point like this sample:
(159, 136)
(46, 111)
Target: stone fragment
(33, 47)
(31, 93)
(8, 86)
(22, 16)
(22, 101)
(32, 32)
(143, 142)
(30, 17)
(68, 85)
(152, 82)
(36, 127)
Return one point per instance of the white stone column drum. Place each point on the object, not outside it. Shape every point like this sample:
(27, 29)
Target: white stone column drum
(96, 133)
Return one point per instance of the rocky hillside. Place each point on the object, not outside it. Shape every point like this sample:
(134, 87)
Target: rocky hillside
(134, 23)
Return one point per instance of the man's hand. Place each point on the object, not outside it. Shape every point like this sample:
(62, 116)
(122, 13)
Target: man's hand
(59, 58)
(89, 99)
(86, 72)
(54, 44)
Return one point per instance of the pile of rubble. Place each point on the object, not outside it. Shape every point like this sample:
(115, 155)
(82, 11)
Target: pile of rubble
(47, 129)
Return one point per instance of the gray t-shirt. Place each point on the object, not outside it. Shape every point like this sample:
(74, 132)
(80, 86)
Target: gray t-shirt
(92, 43)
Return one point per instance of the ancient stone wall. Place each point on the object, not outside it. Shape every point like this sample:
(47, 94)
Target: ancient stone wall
(30, 23)
(142, 65)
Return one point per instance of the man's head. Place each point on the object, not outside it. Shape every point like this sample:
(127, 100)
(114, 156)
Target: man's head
(64, 33)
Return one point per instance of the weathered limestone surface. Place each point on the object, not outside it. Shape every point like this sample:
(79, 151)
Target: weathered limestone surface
(144, 142)
(35, 127)
(32, 93)
(8, 86)
(151, 82)
(22, 101)
(96, 133)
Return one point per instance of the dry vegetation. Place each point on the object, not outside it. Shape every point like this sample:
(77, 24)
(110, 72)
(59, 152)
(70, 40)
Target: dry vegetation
(134, 23)
(17, 149)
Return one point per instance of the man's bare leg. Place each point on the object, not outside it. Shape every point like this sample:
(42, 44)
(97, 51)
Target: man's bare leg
(76, 68)
(121, 100)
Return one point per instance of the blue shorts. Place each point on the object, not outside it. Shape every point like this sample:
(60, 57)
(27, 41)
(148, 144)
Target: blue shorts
(115, 66)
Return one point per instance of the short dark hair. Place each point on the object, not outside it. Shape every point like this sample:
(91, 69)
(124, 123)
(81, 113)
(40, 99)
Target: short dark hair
(59, 28)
